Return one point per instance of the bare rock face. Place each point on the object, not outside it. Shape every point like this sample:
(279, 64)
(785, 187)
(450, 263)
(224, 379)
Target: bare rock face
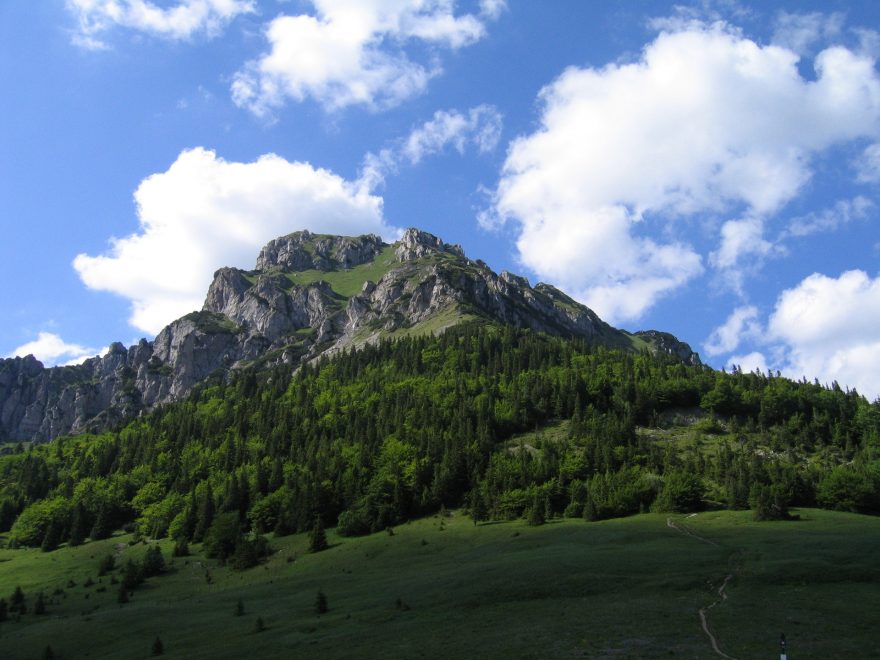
(417, 244)
(303, 250)
(667, 344)
(309, 294)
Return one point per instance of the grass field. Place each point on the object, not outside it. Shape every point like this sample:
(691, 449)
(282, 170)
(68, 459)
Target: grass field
(349, 282)
(442, 588)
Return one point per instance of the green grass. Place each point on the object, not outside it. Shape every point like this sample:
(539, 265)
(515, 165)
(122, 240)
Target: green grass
(348, 283)
(628, 587)
(434, 325)
(535, 441)
(437, 323)
(212, 322)
(638, 344)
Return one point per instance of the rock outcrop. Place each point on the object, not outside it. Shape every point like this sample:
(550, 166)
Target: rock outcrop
(309, 294)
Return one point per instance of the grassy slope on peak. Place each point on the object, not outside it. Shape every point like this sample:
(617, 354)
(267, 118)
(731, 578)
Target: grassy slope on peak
(348, 282)
(444, 588)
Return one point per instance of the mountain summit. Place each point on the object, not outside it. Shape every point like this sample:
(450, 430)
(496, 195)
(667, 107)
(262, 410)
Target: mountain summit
(308, 295)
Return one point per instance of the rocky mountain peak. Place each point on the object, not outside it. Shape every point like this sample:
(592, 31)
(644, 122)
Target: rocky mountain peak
(417, 244)
(303, 250)
(669, 344)
(310, 294)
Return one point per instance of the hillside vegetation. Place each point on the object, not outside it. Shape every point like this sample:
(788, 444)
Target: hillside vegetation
(547, 448)
(374, 437)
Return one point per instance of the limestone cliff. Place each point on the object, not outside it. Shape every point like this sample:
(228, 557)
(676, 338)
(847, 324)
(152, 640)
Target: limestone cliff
(308, 294)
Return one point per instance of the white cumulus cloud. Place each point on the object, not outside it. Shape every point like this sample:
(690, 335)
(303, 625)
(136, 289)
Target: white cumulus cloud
(800, 32)
(743, 248)
(205, 212)
(741, 324)
(749, 362)
(829, 329)
(841, 213)
(705, 121)
(355, 52)
(740, 238)
(50, 349)
(179, 21)
(479, 128)
(868, 164)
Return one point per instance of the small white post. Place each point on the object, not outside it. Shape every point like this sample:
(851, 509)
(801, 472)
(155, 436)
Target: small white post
(782, 654)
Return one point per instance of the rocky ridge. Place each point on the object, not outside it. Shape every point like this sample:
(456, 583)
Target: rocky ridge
(308, 295)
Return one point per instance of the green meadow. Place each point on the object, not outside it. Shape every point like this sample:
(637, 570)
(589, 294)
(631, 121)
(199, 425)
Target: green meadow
(442, 588)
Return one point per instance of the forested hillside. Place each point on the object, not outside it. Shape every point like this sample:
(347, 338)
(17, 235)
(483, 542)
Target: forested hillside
(504, 422)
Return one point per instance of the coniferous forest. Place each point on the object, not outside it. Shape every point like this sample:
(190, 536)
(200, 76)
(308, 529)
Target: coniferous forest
(502, 422)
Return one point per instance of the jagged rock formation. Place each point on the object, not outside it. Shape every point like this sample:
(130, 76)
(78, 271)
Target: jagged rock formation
(309, 294)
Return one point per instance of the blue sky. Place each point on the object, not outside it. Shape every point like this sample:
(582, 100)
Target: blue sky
(710, 169)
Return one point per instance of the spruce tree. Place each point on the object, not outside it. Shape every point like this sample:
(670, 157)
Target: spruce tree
(158, 646)
(132, 575)
(239, 608)
(478, 506)
(40, 604)
(52, 537)
(17, 600)
(192, 516)
(536, 512)
(317, 537)
(106, 565)
(321, 606)
(154, 562)
(48, 653)
(181, 548)
(101, 529)
(78, 526)
(206, 515)
(4, 610)
(590, 513)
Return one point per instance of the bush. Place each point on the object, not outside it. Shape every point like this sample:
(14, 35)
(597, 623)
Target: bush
(769, 502)
(537, 512)
(849, 488)
(681, 493)
(38, 519)
(248, 553)
(353, 522)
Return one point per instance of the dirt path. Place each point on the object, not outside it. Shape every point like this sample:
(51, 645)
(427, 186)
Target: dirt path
(684, 530)
(722, 590)
(704, 611)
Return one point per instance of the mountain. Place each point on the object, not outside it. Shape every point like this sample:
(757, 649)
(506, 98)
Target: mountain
(308, 295)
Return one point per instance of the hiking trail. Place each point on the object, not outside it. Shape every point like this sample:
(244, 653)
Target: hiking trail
(722, 590)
